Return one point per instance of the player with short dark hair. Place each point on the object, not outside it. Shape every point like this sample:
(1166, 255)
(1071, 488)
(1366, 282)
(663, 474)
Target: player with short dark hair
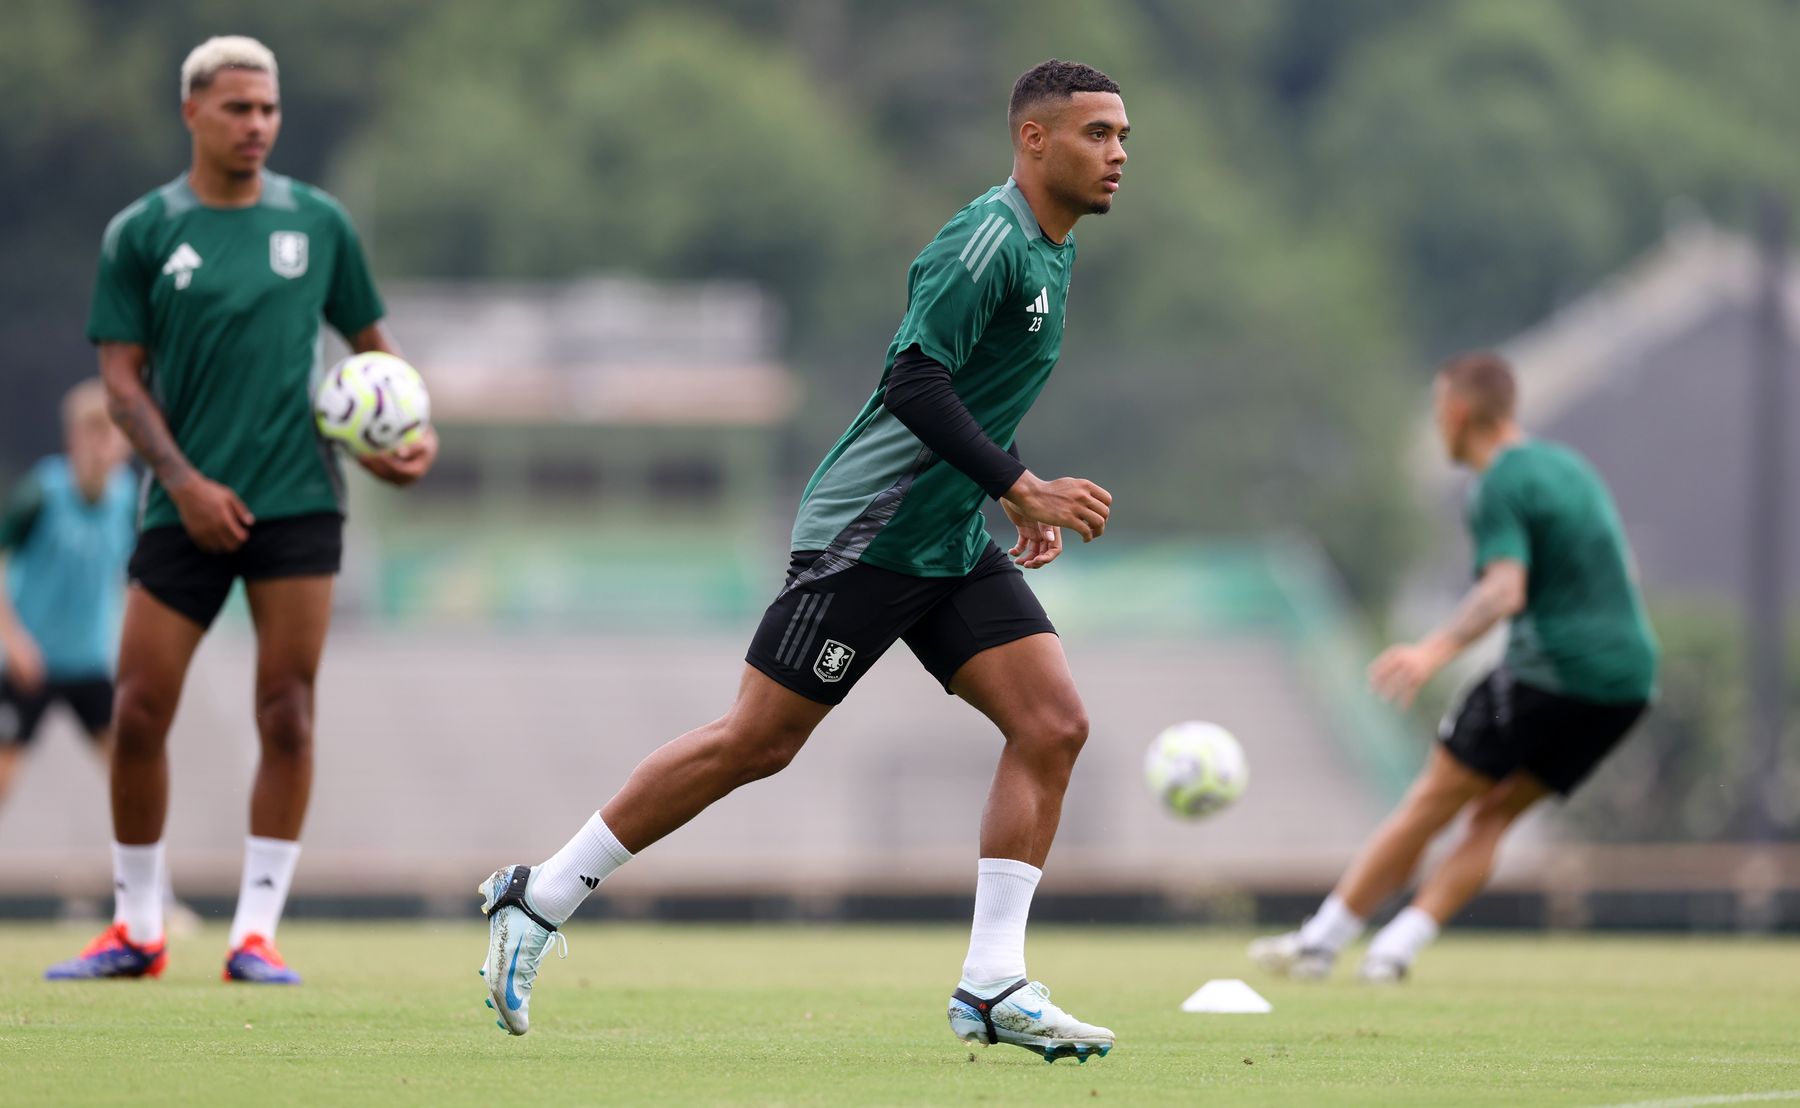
(890, 545)
(206, 314)
(1580, 667)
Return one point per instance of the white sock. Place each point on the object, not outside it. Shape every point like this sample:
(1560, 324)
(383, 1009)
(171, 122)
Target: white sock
(268, 872)
(558, 886)
(1404, 936)
(138, 891)
(1003, 889)
(1333, 927)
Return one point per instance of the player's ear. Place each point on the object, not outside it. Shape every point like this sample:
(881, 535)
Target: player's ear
(1032, 136)
(189, 108)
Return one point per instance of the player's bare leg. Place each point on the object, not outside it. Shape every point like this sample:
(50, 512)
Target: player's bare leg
(1389, 858)
(765, 727)
(291, 616)
(1025, 687)
(1455, 880)
(1463, 873)
(155, 646)
(1380, 869)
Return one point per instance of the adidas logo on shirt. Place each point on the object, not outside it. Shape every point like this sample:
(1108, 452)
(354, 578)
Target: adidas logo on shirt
(181, 265)
(1042, 304)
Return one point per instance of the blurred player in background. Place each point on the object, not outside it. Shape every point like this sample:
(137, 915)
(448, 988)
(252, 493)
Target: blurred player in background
(66, 531)
(206, 312)
(68, 527)
(890, 544)
(1580, 667)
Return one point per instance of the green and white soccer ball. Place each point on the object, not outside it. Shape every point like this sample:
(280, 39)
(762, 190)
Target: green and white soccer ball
(372, 403)
(1196, 769)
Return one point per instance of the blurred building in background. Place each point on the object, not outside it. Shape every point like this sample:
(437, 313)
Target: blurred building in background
(1651, 374)
(612, 455)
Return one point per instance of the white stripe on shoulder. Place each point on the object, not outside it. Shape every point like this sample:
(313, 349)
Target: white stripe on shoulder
(109, 239)
(992, 248)
(980, 236)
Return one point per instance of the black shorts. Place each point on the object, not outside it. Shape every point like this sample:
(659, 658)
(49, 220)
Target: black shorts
(169, 566)
(1504, 726)
(820, 636)
(90, 698)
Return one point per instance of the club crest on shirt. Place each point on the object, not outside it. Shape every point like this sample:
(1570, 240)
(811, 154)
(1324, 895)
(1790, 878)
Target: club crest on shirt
(834, 661)
(287, 253)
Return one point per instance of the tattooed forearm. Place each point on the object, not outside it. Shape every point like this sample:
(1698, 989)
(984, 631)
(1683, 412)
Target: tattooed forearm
(1494, 598)
(149, 434)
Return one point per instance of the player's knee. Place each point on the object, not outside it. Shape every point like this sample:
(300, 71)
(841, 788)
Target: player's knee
(284, 717)
(1059, 735)
(1489, 817)
(141, 718)
(775, 752)
(754, 753)
(1444, 790)
(1432, 804)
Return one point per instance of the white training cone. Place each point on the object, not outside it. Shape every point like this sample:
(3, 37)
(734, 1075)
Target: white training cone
(1226, 995)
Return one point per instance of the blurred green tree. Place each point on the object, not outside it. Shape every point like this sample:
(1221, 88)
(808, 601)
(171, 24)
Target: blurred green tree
(1322, 196)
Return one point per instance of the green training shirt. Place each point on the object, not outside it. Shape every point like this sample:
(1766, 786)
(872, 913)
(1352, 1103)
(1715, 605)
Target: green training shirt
(1584, 632)
(985, 299)
(227, 301)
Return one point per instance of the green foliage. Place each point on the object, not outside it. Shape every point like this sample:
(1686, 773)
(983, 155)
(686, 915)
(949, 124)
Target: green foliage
(1507, 155)
(1322, 197)
(671, 147)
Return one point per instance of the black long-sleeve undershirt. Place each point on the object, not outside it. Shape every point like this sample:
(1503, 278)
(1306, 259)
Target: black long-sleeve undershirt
(922, 398)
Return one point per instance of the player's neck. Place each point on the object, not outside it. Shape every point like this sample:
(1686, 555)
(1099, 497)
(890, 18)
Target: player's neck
(90, 480)
(218, 188)
(1052, 218)
(1483, 451)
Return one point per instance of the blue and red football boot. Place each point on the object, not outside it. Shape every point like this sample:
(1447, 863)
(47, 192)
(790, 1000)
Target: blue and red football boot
(256, 961)
(112, 955)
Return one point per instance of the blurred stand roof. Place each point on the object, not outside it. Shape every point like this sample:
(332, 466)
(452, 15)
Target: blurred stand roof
(596, 351)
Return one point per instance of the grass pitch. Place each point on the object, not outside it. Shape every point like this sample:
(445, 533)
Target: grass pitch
(393, 1014)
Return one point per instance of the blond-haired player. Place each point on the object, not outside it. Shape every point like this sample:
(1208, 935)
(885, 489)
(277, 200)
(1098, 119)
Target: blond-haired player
(206, 313)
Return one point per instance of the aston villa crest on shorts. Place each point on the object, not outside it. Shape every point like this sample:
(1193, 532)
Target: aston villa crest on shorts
(287, 253)
(834, 661)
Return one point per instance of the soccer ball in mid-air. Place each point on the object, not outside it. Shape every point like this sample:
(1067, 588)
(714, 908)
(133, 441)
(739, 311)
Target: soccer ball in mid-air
(372, 403)
(1196, 769)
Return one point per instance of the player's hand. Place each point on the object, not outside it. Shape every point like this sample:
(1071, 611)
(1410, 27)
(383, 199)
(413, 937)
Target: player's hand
(24, 662)
(1400, 671)
(1071, 502)
(1039, 543)
(404, 465)
(214, 517)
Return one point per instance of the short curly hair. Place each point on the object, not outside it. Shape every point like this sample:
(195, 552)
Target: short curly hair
(1053, 80)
